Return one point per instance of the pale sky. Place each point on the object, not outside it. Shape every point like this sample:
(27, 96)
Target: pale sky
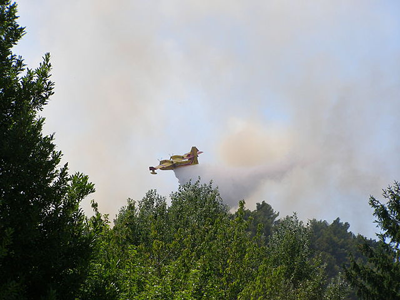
(293, 102)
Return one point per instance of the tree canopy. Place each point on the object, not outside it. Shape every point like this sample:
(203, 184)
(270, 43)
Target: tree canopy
(196, 249)
(45, 241)
(379, 276)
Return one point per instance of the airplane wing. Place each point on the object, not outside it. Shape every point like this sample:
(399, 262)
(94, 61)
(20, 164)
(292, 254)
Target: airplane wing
(164, 164)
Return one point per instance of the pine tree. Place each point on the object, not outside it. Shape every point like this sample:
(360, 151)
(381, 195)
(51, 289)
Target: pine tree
(379, 277)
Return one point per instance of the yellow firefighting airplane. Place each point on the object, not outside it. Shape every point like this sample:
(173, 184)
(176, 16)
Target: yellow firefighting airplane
(177, 161)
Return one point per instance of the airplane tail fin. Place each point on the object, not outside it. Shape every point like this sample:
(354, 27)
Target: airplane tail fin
(194, 152)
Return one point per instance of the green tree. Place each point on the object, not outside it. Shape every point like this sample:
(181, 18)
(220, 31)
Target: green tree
(264, 215)
(102, 282)
(45, 240)
(193, 249)
(197, 249)
(137, 221)
(289, 271)
(379, 277)
(333, 243)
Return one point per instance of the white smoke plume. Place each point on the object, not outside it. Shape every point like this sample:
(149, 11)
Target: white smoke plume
(234, 184)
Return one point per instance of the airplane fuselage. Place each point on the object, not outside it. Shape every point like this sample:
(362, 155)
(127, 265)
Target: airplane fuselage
(177, 161)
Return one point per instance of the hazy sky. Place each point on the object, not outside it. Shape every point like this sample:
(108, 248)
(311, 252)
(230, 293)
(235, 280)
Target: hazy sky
(293, 102)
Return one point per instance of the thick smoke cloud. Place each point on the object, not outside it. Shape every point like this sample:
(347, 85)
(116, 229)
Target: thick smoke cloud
(234, 184)
(307, 88)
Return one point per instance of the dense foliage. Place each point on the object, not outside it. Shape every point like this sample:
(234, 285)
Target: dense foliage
(45, 241)
(196, 249)
(379, 277)
(193, 248)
